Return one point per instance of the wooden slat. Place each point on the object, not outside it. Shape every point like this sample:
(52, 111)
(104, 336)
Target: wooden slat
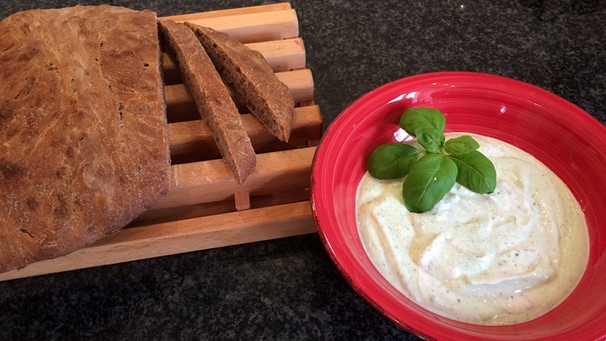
(181, 105)
(253, 27)
(211, 180)
(163, 215)
(230, 12)
(193, 140)
(281, 55)
(181, 236)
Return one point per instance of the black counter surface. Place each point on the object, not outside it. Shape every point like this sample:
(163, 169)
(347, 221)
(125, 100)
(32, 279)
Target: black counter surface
(289, 289)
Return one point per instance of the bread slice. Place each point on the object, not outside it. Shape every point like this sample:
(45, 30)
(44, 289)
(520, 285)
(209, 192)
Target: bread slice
(83, 134)
(252, 80)
(212, 98)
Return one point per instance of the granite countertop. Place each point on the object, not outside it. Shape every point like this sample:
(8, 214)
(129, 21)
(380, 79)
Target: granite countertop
(289, 289)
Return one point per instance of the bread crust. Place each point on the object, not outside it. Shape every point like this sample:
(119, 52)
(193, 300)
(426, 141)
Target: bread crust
(212, 98)
(251, 78)
(83, 141)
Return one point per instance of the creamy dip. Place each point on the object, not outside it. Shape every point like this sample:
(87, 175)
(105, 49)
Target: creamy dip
(492, 259)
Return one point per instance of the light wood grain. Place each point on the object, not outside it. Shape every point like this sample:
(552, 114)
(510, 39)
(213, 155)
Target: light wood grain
(182, 107)
(193, 140)
(181, 236)
(281, 55)
(230, 12)
(211, 180)
(254, 27)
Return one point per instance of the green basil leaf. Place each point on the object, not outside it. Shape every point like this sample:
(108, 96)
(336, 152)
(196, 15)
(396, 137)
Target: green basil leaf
(392, 160)
(428, 181)
(430, 138)
(476, 172)
(415, 118)
(461, 145)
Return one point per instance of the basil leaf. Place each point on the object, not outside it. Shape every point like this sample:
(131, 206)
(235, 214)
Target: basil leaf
(476, 172)
(415, 118)
(392, 160)
(430, 138)
(461, 145)
(428, 181)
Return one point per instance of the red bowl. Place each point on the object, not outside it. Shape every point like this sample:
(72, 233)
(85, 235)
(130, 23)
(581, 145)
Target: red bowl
(561, 135)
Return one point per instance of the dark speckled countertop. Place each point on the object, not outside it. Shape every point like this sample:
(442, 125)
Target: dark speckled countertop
(289, 289)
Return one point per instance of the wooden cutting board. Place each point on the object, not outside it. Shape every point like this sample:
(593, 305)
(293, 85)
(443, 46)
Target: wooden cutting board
(205, 208)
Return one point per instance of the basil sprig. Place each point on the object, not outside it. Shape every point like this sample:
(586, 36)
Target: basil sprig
(432, 170)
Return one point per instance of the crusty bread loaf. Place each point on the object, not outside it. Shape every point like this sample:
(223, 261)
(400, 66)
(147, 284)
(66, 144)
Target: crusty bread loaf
(212, 98)
(83, 144)
(251, 78)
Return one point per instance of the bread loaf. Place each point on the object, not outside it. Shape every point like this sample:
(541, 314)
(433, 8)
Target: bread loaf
(251, 78)
(212, 98)
(83, 143)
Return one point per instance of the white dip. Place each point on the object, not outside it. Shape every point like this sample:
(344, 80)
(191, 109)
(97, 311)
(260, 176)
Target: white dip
(495, 259)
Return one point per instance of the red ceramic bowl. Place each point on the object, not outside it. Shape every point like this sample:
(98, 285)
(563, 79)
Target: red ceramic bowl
(561, 135)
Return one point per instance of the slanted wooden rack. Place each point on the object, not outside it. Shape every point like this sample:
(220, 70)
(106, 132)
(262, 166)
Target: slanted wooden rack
(205, 208)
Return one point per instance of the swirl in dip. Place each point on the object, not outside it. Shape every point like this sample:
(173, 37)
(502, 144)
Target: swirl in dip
(491, 259)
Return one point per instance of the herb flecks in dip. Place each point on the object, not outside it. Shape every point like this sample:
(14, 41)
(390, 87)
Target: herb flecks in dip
(499, 258)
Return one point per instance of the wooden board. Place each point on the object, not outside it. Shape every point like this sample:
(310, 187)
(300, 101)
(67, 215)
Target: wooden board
(205, 207)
